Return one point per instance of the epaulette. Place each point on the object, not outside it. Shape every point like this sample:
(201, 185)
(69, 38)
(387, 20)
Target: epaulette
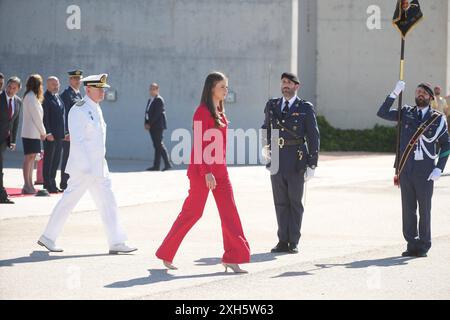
(80, 103)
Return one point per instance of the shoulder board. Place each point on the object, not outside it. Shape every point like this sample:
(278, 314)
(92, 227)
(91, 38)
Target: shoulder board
(434, 111)
(408, 107)
(275, 100)
(80, 103)
(307, 103)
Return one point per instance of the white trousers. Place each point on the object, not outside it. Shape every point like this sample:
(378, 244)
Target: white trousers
(101, 192)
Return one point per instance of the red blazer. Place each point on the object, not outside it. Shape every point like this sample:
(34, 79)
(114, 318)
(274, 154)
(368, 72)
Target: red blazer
(208, 154)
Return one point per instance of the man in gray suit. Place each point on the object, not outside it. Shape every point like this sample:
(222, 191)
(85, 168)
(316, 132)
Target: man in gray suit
(10, 108)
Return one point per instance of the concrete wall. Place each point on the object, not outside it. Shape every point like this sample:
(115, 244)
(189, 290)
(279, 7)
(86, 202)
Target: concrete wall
(447, 88)
(307, 66)
(175, 43)
(346, 69)
(357, 67)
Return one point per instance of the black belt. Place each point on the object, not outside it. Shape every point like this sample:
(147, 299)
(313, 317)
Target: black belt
(290, 142)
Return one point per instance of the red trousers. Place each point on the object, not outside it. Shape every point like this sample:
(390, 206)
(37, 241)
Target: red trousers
(236, 247)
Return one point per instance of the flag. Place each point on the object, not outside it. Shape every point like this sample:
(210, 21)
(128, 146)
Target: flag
(407, 15)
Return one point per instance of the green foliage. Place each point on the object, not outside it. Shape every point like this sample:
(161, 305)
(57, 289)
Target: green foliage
(378, 139)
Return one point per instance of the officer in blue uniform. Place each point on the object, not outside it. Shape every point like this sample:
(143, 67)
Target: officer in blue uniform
(70, 96)
(292, 146)
(424, 150)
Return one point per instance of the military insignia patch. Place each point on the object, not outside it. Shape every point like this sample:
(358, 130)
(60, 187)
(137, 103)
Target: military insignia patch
(80, 103)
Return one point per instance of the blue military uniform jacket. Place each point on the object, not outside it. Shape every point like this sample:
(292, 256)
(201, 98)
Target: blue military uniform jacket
(69, 97)
(54, 115)
(301, 123)
(432, 148)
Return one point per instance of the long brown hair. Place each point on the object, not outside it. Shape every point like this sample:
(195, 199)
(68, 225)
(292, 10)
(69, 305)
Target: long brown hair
(34, 84)
(210, 82)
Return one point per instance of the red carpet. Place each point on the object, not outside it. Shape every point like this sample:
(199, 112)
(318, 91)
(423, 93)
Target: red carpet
(17, 193)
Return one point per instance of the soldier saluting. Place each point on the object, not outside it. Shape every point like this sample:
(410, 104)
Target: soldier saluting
(420, 163)
(293, 142)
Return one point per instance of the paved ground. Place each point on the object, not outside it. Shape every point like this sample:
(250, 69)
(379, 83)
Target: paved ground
(349, 249)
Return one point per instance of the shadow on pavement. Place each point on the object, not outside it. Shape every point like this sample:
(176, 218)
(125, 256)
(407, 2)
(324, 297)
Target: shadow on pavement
(40, 256)
(384, 262)
(160, 275)
(258, 257)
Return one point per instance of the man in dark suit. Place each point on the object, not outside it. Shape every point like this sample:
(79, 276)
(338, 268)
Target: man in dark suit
(10, 108)
(54, 119)
(155, 123)
(70, 96)
(293, 141)
(2, 81)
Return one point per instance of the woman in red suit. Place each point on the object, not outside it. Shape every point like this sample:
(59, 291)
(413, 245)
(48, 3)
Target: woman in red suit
(207, 171)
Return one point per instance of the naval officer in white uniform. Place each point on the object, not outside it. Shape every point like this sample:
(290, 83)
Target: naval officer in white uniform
(88, 170)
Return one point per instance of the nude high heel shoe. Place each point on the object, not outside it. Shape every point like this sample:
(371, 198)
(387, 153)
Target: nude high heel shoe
(169, 265)
(235, 267)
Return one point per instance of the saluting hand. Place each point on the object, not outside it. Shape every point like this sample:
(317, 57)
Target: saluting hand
(210, 181)
(399, 88)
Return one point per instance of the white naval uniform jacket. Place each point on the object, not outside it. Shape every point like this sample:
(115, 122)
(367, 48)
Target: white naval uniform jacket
(87, 130)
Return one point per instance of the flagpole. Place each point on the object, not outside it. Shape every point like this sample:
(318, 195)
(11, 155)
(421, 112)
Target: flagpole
(400, 104)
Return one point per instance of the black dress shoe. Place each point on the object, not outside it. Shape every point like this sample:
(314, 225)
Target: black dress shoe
(293, 248)
(6, 201)
(167, 168)
(409, 254)
(152, 169)
(421, 254)
(280, 247)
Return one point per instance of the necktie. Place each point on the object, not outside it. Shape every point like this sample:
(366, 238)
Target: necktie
(58, 100)
(10, 109)
(286, 108)
(419, 115)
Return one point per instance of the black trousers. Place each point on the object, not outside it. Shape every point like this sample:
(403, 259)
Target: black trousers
(3, 146)
(65, 156)
(287, 189)
(52, 156)
(160, 148)
(416, 192)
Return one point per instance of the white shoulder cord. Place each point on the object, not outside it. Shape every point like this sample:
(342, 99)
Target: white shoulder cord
(421, 145)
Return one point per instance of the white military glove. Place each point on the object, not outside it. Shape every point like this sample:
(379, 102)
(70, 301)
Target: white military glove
(266, 153)
(309, 174)
(399, 87)
(435, 174)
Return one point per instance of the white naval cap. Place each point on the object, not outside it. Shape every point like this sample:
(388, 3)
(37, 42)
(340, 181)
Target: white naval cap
(96, 81)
